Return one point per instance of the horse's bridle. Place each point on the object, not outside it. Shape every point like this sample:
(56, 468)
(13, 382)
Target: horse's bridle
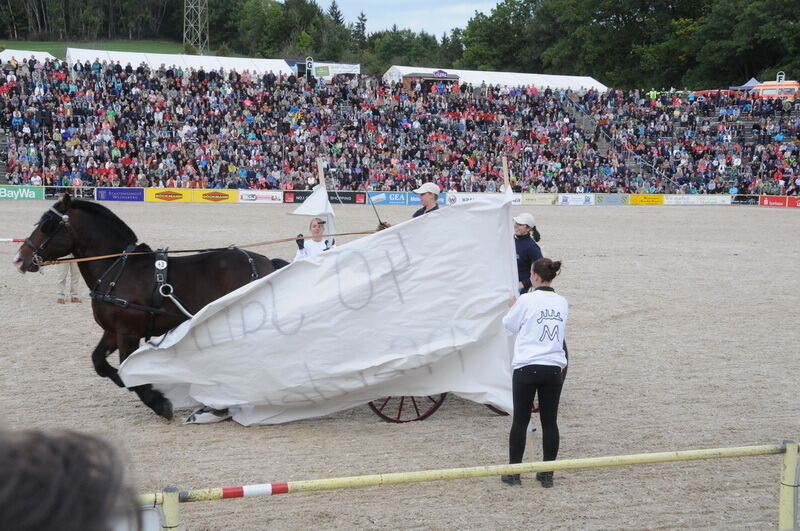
(36, 259)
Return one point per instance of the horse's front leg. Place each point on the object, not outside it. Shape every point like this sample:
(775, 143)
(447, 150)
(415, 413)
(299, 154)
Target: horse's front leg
(107, 345)
(153, 399)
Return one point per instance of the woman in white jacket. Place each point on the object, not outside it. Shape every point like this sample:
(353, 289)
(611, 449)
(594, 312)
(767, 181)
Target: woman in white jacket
(539, 319)
(317, 243)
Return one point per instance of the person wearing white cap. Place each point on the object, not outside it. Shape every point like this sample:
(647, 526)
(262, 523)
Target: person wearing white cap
(428, 196)
(528, 251)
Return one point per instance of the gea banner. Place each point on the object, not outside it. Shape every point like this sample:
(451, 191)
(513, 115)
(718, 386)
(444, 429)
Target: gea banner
(647, 199)
(260, 196)
(715, 199)
(576, 199)
(389, 198)
(773, 201)
(793, 202)
(353, 324)
(611, 199)
(119, 194)
(539, 199)
(168, 195)
(18, 193)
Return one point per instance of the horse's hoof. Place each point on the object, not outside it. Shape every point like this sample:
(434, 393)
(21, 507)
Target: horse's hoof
(165, 410)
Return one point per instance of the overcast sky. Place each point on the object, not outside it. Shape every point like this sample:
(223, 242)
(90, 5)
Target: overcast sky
(433, 16)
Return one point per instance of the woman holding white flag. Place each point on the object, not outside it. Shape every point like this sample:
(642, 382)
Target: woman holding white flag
(317, 243)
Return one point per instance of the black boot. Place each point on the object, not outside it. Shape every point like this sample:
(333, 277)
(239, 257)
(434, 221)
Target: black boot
(511, 479)
(545, 478)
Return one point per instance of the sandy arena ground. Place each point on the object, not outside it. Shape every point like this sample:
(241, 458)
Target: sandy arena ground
(683, 335)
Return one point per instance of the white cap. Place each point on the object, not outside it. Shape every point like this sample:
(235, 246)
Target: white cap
(525, 219)
(428, 188)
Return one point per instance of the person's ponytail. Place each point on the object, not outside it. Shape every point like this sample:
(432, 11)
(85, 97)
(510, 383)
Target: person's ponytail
(535, 234)
(547, 269)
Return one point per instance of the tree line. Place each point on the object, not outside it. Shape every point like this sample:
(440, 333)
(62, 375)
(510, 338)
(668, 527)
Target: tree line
(622, 43)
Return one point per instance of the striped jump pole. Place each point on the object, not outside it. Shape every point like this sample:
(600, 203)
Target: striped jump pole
(789, 487)
(12, 240)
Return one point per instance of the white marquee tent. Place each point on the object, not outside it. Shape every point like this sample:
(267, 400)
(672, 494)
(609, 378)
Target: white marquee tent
(155, 60)
(508, 79)
(19, 55)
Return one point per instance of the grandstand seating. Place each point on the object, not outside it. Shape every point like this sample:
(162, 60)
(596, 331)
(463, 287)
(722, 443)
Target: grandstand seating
(119, 125)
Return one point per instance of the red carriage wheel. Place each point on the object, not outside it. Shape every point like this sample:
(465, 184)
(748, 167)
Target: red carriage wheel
(497, 410)
(406, 408)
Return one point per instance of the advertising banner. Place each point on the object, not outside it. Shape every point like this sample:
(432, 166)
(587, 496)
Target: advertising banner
(647, 199)
(457, 198)
(119, 194)
(334, 196)
(744, 200)
(539, 199)
(611, 199)
(773, 201)
(215, 196)
(260, 196)
(576, 199)
(389, 198)
(78, 192)
(697, 200)
(295, 196)
(168, 195)
(347, 198)
(793, 202)
(413, 199)
(17, 193)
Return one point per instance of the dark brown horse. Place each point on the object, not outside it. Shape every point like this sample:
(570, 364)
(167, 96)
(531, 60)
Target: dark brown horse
(135, 296)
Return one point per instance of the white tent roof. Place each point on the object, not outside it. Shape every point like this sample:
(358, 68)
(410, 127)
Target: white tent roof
(19, 55)
(508, 79)
(155, 60)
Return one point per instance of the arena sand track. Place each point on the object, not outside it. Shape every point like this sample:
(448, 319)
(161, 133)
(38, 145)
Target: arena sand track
(683, 335)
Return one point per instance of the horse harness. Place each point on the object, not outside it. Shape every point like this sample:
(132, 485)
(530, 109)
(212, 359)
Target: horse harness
(63, 223)
(162, 288)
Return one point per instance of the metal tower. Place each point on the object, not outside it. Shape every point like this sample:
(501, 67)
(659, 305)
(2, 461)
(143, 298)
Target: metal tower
(195, 24)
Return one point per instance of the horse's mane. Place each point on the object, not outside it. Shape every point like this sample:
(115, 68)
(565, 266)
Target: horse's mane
(108, 218)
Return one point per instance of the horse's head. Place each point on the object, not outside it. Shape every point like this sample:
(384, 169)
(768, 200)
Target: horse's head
(51, 238)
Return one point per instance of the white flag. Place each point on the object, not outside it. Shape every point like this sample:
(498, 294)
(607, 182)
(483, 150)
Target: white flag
(412, 310)
(318, 205)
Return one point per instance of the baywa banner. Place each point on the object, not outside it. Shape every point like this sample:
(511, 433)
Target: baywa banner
(405, 311)
(336, 197)
(18, 193)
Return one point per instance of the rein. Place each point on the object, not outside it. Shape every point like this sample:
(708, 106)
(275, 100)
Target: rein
(270, 242)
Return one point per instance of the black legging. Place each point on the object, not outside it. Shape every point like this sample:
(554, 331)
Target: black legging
(527, 381)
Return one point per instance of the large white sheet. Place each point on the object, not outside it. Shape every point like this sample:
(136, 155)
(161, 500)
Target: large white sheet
(412, 310)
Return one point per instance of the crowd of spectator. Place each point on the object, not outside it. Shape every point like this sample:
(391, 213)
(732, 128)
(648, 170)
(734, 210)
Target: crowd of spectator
(105, 124)
(709, 142)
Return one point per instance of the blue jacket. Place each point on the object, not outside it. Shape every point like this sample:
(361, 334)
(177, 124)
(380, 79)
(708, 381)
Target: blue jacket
(528, 252)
